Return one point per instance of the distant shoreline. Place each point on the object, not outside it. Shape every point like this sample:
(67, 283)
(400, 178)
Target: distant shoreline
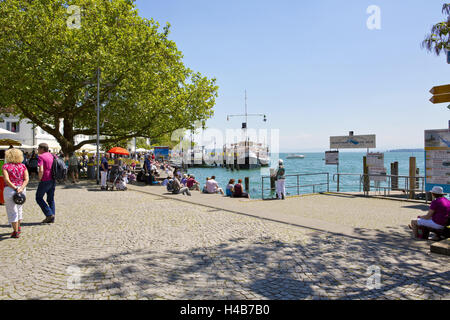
(406, 150)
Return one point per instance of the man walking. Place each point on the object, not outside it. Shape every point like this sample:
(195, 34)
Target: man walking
(46, 184)
(104, 170)
(280, 181)
(148, 169)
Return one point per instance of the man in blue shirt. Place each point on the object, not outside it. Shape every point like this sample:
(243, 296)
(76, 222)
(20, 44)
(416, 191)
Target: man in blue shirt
(148, 168)
(104, 170)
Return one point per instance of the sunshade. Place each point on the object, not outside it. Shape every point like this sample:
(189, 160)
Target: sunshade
(9, 142)
(119, 150)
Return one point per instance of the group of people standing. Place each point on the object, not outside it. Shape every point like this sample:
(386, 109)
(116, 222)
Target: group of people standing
(16, 177)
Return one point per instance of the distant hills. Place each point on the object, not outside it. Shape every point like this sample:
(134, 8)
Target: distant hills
(406, 150)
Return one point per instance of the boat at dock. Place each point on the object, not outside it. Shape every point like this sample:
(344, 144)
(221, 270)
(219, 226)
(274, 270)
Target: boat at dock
(246, 155)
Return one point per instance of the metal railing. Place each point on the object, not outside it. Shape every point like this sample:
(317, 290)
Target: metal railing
(297, 186)
(391, 183)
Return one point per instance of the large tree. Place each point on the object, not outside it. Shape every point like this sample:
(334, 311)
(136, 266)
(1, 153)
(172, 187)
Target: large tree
(48, 71)
(439, 39)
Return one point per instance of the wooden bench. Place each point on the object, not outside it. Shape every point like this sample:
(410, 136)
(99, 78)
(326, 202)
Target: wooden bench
(441, 247)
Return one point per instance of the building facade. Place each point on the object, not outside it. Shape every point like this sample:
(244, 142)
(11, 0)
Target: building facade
(31, 135)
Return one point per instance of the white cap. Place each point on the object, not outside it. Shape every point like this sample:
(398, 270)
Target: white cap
(280, 161)
(437, 190)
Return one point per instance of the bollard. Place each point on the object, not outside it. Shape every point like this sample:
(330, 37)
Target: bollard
(247, 184)
(394, 172)
(417, 179)
(412, 177)
(366, 185)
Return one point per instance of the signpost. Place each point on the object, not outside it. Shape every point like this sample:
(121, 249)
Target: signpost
(352, 142)
(441, 94)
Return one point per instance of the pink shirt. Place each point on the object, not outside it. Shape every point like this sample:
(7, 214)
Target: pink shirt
(16, 172)
(46, 159)
(441, 208)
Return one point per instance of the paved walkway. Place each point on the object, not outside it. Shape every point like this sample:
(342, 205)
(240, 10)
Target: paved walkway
(135, 245)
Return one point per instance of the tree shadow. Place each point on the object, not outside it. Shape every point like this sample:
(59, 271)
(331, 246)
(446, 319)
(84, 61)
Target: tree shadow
(325, 266)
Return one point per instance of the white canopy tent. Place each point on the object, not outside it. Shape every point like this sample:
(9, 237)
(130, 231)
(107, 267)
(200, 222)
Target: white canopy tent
(88, 147)
(4, 131)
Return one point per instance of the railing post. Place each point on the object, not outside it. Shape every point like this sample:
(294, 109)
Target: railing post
(262, 187)
(328, 182)
(298, 185)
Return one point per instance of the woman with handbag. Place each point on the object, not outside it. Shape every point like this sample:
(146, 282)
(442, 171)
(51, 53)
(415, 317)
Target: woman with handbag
(16, 178)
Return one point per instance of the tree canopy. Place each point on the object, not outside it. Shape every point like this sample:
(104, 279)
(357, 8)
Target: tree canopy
(48, 71)
(439, 39)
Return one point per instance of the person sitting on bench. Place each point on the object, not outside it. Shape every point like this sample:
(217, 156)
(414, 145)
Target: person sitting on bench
(438, 215)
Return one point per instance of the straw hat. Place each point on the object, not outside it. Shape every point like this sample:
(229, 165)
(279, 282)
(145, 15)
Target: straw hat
(437, 190)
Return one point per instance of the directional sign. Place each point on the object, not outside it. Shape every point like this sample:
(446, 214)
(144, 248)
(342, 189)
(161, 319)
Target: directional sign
(440, 89)
(440, 94)
(440, 98)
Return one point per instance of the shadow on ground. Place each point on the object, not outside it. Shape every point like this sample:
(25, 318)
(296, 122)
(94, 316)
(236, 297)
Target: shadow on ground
(326, 266)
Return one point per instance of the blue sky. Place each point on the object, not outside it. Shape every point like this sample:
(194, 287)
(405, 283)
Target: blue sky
(314, 67)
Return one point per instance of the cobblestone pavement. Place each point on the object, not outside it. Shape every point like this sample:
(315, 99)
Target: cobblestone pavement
(130, 245)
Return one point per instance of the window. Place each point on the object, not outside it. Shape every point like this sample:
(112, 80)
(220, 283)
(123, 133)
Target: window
(13, 126)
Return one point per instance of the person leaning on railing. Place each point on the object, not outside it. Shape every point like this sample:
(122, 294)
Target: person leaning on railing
(437, 217)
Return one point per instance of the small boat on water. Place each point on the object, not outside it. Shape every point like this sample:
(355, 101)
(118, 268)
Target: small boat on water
(295, 156)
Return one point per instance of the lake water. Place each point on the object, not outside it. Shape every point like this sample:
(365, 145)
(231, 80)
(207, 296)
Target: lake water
(312, 163)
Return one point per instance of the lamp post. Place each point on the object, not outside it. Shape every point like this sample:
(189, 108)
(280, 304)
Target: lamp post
(98, 118)
(98, 125)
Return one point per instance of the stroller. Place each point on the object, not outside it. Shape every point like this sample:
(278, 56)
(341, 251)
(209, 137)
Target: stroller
(116, 179)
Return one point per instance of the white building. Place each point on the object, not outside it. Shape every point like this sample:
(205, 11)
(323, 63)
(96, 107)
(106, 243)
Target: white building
(29, 134)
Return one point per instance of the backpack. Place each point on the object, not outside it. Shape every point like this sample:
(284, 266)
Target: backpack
(33, 163)
(170, 186)
(58, 169)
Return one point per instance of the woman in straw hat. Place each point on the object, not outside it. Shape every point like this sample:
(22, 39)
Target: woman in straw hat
(437, 217)
(15, 174)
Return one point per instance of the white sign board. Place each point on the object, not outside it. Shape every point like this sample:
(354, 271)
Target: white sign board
(437, 159)
(375, 162)
(353, 142)
(331, 157)
(375, 159)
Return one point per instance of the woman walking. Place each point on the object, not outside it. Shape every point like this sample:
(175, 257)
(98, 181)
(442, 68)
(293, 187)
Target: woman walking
(16, 178)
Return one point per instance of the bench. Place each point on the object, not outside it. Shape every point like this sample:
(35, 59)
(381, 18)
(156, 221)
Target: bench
(441, 247)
